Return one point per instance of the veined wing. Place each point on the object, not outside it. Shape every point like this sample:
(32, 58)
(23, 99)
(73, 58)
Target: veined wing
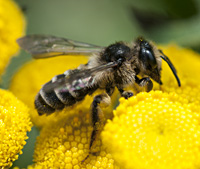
(44, 46)
(79, 79)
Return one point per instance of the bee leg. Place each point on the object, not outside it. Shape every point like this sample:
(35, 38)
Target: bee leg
(125, 94)
(146, 81)
(110, 89)
(97, 119)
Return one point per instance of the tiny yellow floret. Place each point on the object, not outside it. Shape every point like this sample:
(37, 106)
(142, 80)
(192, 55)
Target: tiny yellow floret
(14, 125)
(12, 27)
(154, 130)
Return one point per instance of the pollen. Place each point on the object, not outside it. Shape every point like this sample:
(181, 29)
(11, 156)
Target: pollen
(12, 26)
(154, 130)
(64, 144)
(14, 125)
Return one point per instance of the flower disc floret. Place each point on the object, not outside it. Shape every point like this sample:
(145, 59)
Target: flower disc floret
(154, 130)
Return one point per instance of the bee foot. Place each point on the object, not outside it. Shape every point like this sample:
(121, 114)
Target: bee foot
(85, 159)
(145, 82)
(149, 85)
(127, 94)
(91, 153)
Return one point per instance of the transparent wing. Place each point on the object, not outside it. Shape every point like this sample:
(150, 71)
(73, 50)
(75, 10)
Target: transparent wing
(79, 79)
(44, 46)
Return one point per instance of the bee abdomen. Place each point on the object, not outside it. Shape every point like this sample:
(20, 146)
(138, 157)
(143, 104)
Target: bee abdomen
(51, 98)
(41, 106)
(66, 98)
(48, 101)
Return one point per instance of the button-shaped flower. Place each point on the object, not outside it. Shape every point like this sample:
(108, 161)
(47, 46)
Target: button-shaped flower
(154, 131)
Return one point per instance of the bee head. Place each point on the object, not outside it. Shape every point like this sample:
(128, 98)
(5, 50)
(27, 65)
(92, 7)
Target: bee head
(151, 58)
(151, 63)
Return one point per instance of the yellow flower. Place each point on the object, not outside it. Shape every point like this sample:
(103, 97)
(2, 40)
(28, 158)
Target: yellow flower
(30, 78)
(154, 131)
(65, 143)
(12, 25)
(14, 124)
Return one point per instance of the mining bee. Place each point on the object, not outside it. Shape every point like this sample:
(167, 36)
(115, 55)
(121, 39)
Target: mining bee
(115, 66)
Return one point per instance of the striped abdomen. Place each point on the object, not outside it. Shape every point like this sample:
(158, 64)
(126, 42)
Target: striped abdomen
(48, 101)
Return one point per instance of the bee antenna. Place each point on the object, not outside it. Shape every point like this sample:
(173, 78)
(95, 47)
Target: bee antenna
(166, 59)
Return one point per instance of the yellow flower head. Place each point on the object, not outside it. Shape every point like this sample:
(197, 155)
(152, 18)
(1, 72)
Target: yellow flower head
(12, 25)
(65, 143)
(14, 124)
(154, 130)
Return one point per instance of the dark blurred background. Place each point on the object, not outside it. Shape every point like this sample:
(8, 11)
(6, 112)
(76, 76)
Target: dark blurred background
(103, 22)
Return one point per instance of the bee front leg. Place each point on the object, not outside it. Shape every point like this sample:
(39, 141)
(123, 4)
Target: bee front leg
(97, 118)
(125, 94)
(146, 81)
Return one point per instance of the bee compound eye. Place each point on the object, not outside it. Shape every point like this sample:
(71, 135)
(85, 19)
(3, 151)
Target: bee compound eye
(147, 57)
(151, 58)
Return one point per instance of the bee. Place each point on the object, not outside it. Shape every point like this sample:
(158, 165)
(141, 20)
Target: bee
(116, 66)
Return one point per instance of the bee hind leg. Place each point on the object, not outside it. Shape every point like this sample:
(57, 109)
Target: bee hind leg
(97, 119)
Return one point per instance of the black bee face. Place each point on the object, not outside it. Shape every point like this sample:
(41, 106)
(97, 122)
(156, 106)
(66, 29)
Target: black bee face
(148, 59)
